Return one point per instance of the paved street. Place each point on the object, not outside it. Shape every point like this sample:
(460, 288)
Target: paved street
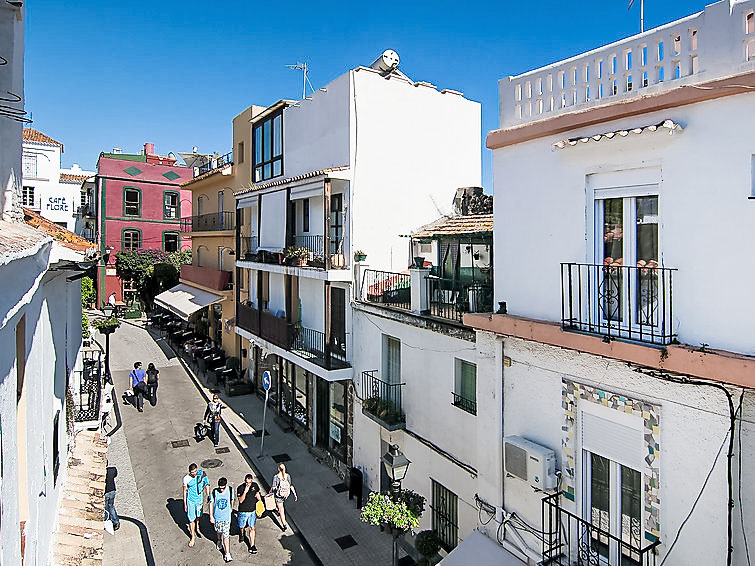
(150, 471)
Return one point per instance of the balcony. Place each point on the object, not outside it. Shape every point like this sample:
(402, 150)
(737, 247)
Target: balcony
(569, 540)
(85, 211)
(387, 288)
(211, 222)
(89, 380)
(264, 324)
(206, 277)
(311, 345)
(381, 401)
(617, 301)
(214, 163)
(89, 234)
(450, 299)
(464, 404)
(314, 244)
(248, 318)
(248, 248)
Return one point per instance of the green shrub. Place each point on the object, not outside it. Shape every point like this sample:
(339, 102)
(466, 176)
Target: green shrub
(88, 294)
(427, 543)
(85, 334)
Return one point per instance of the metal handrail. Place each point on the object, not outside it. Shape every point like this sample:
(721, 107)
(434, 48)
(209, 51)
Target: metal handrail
(387, 288)
(382, 399)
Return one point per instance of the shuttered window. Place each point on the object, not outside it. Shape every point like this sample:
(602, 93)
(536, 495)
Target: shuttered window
(391, 359)
(613, 440)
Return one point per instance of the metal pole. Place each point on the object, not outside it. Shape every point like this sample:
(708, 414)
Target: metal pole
(107, 355)
(264, 414)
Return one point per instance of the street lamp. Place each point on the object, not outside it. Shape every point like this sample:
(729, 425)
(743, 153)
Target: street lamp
(396, 466)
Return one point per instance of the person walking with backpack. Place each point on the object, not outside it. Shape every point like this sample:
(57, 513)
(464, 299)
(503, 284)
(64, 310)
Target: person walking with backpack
(248, 495)
(152, 373)
(196, 485)
(220, 516)
(213, 414)
(282, 488)
(138, 385)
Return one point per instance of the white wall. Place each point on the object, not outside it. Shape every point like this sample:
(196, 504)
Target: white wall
(694, 421)
(414, 146)
(705, 180)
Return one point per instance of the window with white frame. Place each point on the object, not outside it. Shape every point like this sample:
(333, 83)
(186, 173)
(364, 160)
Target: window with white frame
(30, 165)
(391, 359)
(465, 386)
(27, 196)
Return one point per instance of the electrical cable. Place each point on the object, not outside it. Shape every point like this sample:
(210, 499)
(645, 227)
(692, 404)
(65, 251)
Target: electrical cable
(739, 480)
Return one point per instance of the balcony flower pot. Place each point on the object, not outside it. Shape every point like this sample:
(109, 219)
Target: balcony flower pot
(297, 255)
(419, 261)
(359, 255)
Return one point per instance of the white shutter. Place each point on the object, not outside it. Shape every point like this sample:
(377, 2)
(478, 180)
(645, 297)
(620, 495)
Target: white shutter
(613, 440)
(273, 221)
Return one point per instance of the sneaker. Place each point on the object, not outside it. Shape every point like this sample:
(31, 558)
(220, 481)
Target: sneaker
(253, 550)
(116, 526)
(228, 558)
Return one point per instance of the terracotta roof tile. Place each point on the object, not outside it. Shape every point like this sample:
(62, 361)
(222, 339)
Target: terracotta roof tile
(277, 182)
(18, 239)
(58, 233)
(451, 225)
(71, 178)
(30, 134)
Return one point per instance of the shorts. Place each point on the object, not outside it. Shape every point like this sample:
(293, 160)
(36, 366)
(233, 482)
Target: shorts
(223, 528)
(193, 510)
(247, 519)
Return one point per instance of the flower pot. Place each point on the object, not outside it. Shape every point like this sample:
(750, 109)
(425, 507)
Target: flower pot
(419, 261)
(360, 257)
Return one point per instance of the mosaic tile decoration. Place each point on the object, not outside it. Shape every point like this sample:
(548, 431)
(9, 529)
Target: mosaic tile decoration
(571, 392)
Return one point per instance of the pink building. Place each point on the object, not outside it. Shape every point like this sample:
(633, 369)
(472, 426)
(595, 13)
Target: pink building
(139, 204)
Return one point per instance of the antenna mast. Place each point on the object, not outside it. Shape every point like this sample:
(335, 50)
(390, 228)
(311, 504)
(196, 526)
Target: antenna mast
(642, 13)
(305, 80)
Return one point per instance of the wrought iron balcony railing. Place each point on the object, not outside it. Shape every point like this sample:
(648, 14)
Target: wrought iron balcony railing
(212, 221)
(382, 401)
(248, 248)
(311, 345)
(89, 234)
(570, 540)
(387, 288)
(468, 405)
(450, 299)
(618, 301)
(214, 163)
(87, 401)
(313, 243)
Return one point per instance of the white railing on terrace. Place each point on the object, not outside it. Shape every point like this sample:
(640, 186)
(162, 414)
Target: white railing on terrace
(717, 42)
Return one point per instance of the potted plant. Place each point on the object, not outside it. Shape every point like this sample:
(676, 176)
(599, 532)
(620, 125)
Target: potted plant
(106, 325)
(427, 544)
(359, 255)
(399, 515)
(419, 261)
(297, 255)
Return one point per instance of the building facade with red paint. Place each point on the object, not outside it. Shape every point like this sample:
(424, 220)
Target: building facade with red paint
(139, 205)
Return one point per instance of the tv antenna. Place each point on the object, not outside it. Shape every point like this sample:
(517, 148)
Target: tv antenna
(642, 13)
(305, 81)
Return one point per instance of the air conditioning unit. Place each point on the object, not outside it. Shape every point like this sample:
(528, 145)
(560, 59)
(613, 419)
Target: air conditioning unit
(530, 462)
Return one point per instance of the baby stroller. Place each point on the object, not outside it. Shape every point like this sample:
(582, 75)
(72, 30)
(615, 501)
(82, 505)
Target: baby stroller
(204, 429)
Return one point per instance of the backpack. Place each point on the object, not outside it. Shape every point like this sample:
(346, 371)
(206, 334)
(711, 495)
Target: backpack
(284, 488)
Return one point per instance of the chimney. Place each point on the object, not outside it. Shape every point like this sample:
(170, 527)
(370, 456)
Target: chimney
(149, 148)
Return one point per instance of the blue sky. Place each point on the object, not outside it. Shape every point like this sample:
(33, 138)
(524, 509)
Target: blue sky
(101, 75)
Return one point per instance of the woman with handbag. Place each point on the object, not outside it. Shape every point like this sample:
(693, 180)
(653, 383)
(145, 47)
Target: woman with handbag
(213, 411)
(282, 488)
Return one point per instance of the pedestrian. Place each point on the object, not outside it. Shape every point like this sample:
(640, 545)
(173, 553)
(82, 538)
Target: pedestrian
(213, 413)
(152, 373)
(282, 488)
(107, 400)
(138, 385)
(248, 495)
(220, 516)
(110, 473)
(196, 487)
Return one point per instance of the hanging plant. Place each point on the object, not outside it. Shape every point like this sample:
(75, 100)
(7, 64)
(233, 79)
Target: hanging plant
(106, 325)
(382, 510)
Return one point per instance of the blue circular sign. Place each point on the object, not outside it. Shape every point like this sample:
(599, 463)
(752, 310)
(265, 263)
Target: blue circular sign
(266, 380)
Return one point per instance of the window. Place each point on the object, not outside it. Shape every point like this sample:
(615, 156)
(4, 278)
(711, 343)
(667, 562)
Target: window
(264, 290)
(628, 60)
(629, 237)
(132, 239)
(336, 223)
(132, 202)
(629, 83)
(445, 508)
(170, 241)
(305, 215)
(27, 196)
(600, 69)
(644, 55)
(693, 64)
(750, 23)
(287, 388)
(693, 39)
(677, 70)
(661, 74)
(268, 148)
(301, 396)
(644, 78)
(660, 51)
(391, 359)
(55, 448)
(677, 44)
(614, 87)
(613, 65)
(200, 204)
(30, 166)
(221, 202)
(171, 205)
(465, 387)
(240, 153)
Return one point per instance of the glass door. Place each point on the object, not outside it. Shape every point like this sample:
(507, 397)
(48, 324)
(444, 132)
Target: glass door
(612, 533)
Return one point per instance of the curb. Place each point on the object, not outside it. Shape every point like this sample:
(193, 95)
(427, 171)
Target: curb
(260, 477)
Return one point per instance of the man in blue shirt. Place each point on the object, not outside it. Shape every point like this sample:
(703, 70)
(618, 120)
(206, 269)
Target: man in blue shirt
(138, 385)
(220, 515)
(196, 488)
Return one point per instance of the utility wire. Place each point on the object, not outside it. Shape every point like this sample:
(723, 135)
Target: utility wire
(739, 480)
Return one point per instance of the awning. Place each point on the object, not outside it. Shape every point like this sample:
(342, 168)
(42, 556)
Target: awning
(273, 226)
(184, 300)
(667, 125)
(479, 549)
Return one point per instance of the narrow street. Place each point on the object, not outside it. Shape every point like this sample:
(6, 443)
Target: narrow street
(152, 451)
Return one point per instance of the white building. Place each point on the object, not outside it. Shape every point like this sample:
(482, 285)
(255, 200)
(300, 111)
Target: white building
(351, 168)
(40, 337)
(54, 192)
(622, 176)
